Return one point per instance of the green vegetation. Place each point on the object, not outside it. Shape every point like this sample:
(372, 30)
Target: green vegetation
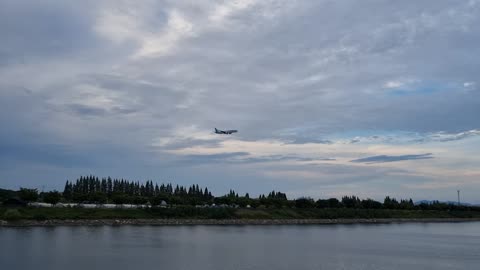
(188, 212)
(12, 214)
(28, 195)
(6, 194)
(193, 202)
(52, 197)
(91, 189)
(82, 213)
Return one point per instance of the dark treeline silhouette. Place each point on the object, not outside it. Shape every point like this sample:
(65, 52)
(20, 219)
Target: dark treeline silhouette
(91, 189)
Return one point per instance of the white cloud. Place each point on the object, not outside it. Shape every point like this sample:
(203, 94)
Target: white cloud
(445, 137)
(470, 86)
(118, 26)
(153, 78)
(221, 12)
(130, 22)
(402, 83)
(393, 84)
(178, 27)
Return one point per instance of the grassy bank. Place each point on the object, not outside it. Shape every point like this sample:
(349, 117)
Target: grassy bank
(28, 213)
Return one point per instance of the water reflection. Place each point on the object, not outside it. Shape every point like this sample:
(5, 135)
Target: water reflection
(393, 246)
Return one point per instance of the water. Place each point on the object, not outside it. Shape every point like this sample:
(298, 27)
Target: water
(389, 246)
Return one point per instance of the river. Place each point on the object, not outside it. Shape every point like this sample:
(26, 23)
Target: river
(374, 246)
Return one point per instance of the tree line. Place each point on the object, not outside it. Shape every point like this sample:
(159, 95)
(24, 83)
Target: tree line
(91, 189)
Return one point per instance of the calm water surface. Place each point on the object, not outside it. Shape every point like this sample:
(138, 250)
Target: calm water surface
(394, 246)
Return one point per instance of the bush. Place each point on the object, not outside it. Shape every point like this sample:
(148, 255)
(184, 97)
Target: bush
(304, 203)
(52, 197)
(28, 195)
(39, 217)
(224, 213)
(12, 214)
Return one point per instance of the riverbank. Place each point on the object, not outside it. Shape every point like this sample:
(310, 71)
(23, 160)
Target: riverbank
(157, 222)
(28, 216)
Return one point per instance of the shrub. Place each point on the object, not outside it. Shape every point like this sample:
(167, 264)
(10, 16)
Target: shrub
(39, 217)
(12, 214)
(52, 197)
(28, 195)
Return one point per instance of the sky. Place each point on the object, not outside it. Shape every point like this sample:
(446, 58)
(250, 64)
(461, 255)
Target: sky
(331, 98)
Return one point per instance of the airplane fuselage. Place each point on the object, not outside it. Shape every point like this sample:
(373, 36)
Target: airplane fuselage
(217, 131)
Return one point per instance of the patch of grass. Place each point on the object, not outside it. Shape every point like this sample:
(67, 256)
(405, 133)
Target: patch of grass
(39, 217)
(192, 212)
(188, 212)
(252, 214)
(12, 215)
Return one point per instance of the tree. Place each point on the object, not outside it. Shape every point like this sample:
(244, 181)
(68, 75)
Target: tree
(390, 203)
(120, 198)
(321, 203)
(406, 204)
(125, 191)
(371, 204)
(334, 203)
(28, 195)
(67, 191)
(140, 200)
(305, 203)
(351, 202)
(98, 197)
(52, 197)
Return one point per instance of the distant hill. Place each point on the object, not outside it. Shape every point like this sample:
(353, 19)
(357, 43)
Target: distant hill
(6, 193)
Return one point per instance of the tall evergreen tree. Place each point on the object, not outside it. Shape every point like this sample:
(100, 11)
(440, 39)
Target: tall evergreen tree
(109, 185)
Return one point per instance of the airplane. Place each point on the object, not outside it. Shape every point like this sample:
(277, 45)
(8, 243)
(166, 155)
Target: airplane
(225, 131)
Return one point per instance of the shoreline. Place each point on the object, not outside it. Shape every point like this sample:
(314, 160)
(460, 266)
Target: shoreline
(169, 222)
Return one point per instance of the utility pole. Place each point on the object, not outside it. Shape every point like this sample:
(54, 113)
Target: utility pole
(458, 195)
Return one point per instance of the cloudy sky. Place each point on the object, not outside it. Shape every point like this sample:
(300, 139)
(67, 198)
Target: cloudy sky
(330, 97)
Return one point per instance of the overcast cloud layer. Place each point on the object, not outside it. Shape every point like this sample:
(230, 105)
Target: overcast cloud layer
(330, 98)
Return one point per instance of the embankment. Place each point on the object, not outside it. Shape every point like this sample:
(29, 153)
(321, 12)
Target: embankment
(153, 222)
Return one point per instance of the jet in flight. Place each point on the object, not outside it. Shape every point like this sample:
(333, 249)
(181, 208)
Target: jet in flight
(225, 131)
